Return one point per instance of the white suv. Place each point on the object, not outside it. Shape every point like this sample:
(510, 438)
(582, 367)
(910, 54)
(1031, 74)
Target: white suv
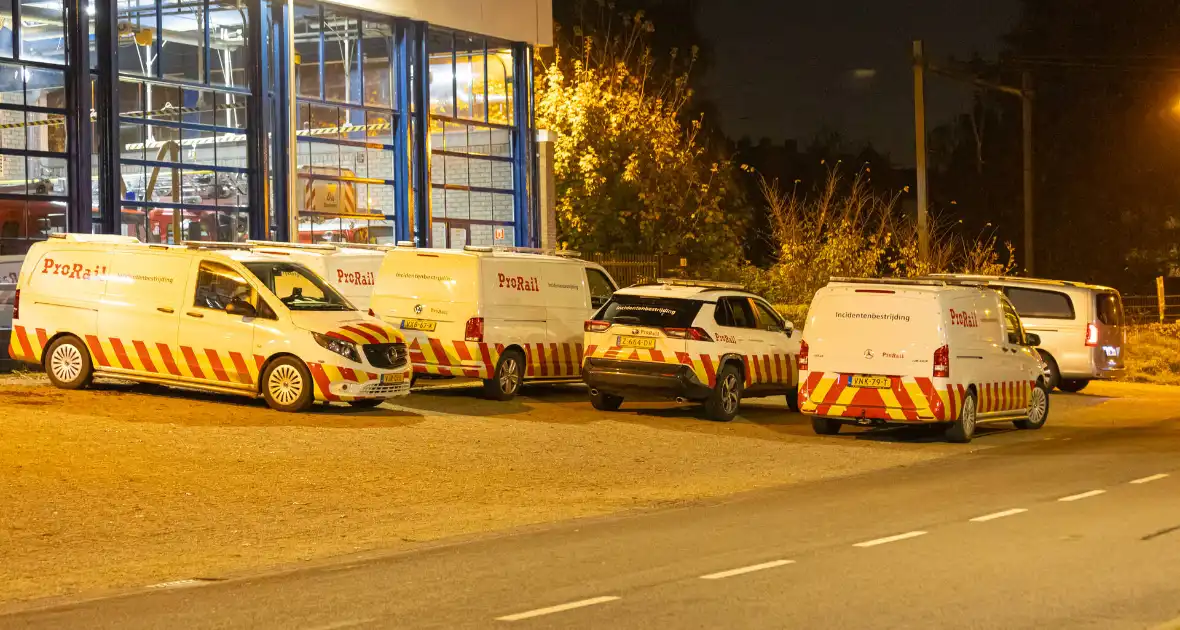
(688, 340)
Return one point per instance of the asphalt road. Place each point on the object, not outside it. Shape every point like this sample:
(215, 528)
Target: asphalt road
(1064, 528)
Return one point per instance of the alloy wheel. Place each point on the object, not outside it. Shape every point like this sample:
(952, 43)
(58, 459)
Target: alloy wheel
(729, 393)
(286, 384)
(509, 379)
(66, 362)
(1037, 406)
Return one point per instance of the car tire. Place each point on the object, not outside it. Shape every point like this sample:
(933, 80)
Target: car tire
(287, 385)
(1038, 409)
(1073, 385)
(1054, 373)
(506, 380)
(67, 363)
(962, 430)
(725, 401)
(826, 426)
(366, 403)
(605, 402)
(793, 400)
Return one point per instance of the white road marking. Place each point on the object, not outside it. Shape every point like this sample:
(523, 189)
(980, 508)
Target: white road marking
(889, 539)
(176, 583)
(750, 569)
(1151, 478)
(991, 517)
(345, 624)
(1084, 495)
(559, 608)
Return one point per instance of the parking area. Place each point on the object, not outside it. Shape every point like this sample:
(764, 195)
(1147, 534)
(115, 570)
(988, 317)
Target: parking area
(131, 485)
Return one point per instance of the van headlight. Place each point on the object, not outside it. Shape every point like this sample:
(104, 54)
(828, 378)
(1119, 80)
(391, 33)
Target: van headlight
(346, 349)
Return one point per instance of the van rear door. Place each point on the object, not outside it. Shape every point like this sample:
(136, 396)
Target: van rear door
(1108, 313)
(873, 331)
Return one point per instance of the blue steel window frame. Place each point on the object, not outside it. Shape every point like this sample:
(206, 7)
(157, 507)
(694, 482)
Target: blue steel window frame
(393, 113)
(518, 157)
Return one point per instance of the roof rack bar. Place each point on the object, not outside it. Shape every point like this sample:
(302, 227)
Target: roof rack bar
(379, 247)
(319, 246)
(704, 284)
(929, 282)
(215, 245)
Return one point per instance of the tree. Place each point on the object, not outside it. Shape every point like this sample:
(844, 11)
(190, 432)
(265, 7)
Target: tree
(634, 173)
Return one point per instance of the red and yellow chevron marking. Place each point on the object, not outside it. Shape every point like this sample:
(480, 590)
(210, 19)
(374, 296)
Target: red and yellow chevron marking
(478, 360)
(367, 333)
(28, 345)
(909, 399)
(760, 369)
(324, 375)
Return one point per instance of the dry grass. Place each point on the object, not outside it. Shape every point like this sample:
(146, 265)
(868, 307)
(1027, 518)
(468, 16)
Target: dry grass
(1153, 354)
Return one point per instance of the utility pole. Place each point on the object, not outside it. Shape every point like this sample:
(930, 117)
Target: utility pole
(920, 137)
(1026, 98)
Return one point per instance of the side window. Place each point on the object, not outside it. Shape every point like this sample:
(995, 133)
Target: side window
(1037, 303)
(722, 314)
(768, 319)
(218, 285)
(1012, 325)
(741, 314)
(600, 286)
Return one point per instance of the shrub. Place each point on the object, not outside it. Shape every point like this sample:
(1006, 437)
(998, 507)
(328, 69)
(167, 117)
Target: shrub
(1152, 354)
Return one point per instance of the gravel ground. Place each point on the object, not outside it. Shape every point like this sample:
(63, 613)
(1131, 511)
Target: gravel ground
(127, 486)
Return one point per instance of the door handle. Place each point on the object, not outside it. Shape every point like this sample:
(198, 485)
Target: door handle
(194, 314)
(164, 309)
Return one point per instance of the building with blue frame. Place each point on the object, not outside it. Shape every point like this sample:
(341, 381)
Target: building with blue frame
(368, 121)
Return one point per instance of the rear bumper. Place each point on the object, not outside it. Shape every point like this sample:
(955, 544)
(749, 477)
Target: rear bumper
(658, 380)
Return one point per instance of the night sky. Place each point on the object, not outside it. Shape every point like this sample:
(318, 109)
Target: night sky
(788, 68)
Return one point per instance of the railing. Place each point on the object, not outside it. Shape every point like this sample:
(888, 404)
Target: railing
(629, 269)
(1145, 309)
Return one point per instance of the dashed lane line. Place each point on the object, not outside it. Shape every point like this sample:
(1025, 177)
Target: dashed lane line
(889, 539)
(1150, 479)
(529, 614)
(1079, 497)
(750, 569)
(996, 515)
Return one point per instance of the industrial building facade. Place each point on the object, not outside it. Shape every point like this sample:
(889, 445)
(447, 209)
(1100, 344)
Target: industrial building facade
(369, 121)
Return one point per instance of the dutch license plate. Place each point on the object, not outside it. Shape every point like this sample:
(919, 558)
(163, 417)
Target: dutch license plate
(418, 324)
(871, 382)
(635, 342)
(392, 379)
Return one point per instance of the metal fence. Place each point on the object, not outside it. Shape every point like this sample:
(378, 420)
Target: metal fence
(1145, 309)
(629, 269)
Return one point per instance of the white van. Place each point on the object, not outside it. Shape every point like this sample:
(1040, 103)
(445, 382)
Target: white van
(501, 316)
(1081, 326)
(918, 351)
(199, 316)
(351, 269)
(9, 271)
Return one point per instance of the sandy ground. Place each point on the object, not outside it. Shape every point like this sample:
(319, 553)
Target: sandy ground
(128, 486)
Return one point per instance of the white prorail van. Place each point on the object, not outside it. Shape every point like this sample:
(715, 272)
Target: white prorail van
(918, 351)
(351, 269)
(203, 317)
(504, 317)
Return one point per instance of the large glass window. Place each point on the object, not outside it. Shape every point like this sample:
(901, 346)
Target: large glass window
(473, 184)
(182, 99)
(345, 140)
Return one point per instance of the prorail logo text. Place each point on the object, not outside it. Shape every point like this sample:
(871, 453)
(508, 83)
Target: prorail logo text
(520, 283)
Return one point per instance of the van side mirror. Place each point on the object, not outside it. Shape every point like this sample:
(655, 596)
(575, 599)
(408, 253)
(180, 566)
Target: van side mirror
(788, 327)
(1032, 339)
(241, 307)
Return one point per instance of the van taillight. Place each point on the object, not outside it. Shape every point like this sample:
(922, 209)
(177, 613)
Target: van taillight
(16, 304)
(942, 362)
(691, 334)
(1091, 335)
(474, 330)
(802, 355)
(595, 326)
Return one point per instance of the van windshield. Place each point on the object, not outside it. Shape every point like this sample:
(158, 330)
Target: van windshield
(636, 310)
(298, 288)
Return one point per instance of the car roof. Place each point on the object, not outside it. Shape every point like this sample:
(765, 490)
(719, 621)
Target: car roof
(705, 294)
